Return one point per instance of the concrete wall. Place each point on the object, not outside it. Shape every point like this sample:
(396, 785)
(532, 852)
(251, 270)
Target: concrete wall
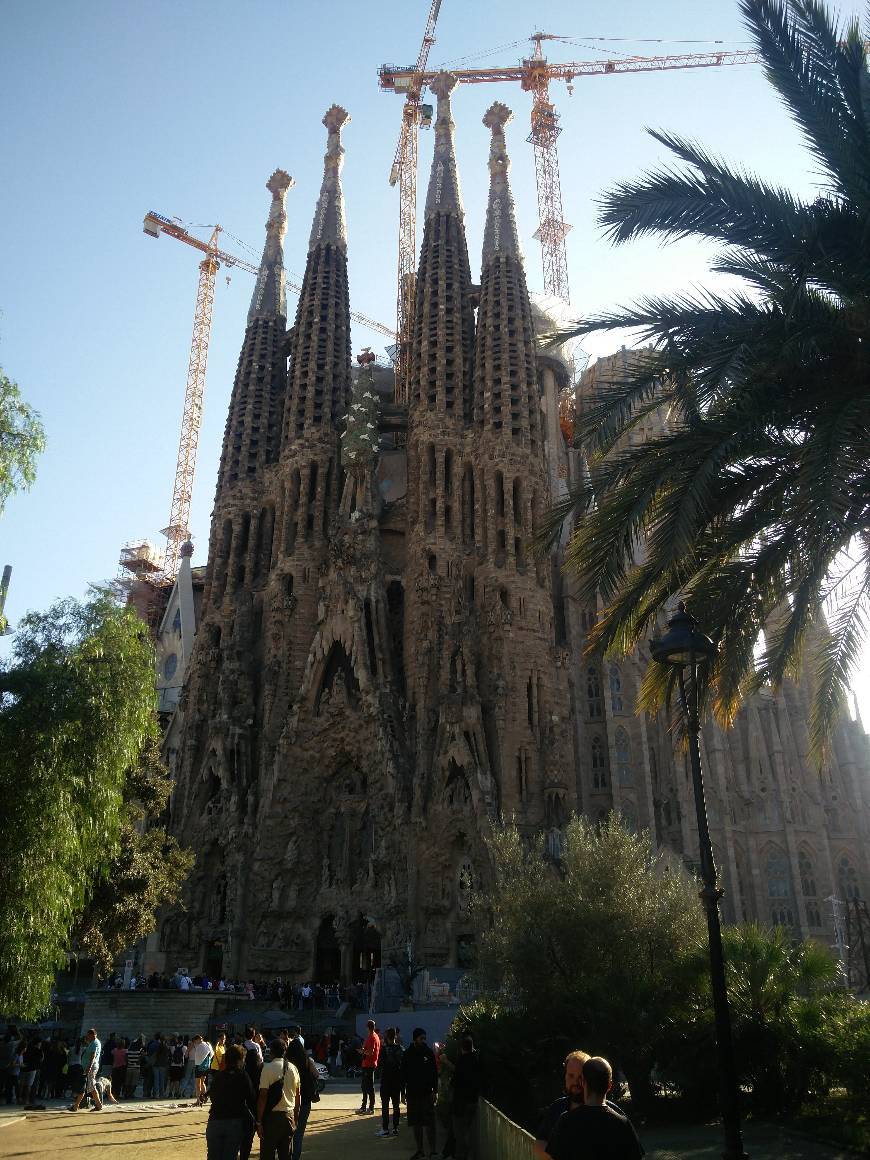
(132, 1013)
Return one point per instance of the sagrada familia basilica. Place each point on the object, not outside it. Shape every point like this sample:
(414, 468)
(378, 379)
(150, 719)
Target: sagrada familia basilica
(383, 666)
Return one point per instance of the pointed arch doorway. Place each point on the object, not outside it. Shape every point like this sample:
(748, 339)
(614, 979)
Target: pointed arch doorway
(366, 950)
(327, 966)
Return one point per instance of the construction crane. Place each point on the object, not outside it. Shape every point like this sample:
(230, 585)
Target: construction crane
(404, 172)
(178, 529)
(534, 75)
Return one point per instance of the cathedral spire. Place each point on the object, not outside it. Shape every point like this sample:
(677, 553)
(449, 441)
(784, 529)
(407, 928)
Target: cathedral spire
(269, 297)
(329, 225)
(320, 354)
(252, 435)
(505, 377)
(500, 233)
(442, 347)
(444, 194)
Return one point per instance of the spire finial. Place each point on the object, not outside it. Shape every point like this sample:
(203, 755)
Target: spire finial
(329, 225)
(500, 234)
(269, 297)
(497, 116)
(444, 194)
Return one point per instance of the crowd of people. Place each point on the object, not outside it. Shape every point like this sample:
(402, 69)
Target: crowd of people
(443, 1096)
(256, 1088)
(308, 996)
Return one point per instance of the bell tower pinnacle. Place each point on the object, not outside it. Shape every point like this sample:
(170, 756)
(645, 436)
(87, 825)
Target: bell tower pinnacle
(320, 354)
(506, 392)
(442, 346)
(253, 431)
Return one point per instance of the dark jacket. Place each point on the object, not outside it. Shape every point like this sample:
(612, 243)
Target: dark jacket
(467, 1083)
(419, 1071)
(231, 1095)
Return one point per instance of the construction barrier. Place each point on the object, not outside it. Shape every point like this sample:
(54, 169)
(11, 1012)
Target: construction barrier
(499, 1138)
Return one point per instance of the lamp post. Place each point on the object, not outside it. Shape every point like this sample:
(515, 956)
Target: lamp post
(684, 647)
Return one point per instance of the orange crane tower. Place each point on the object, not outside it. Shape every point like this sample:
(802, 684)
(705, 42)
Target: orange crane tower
(404, 171)
(178, 530)
(534, 75)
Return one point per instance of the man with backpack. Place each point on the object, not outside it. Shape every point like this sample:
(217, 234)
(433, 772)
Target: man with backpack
(278, 1103)
(391, 1082)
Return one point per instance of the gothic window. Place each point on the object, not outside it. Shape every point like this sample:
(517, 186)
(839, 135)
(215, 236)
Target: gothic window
(808, 875)
(742, 878)
(629, 816)
(599, 765)
(847, 880)
(615, 690)
(779, 889)
(777, 875)
(457, 789)
(176, 622)
(593, 692)
(623, 757)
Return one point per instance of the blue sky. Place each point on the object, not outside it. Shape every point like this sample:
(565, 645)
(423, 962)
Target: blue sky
(111, 108)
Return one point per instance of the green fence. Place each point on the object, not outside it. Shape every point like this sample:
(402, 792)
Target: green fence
(499, 1138)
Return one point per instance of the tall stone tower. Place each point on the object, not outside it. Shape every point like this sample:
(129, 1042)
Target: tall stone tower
(383, 667)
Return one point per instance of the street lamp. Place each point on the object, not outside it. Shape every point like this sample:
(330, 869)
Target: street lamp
(684, 647)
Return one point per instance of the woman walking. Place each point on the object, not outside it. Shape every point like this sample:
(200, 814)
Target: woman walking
(232, 1110)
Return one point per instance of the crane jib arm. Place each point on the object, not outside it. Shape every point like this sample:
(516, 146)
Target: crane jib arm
(397, 79)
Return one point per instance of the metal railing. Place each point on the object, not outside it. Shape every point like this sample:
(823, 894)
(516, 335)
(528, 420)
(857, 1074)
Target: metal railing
(499, 1138)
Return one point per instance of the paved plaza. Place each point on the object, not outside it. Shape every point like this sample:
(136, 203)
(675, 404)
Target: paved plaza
(155, 1131)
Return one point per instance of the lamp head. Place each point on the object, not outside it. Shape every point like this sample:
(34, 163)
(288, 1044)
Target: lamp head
(682, 642)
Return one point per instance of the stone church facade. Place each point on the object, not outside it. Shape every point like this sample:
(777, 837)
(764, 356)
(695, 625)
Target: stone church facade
(383, 668)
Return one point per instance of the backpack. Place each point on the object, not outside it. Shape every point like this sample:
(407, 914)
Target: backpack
(273, 1092)
(391, 1062)
(308, 1087)
(178, 1056)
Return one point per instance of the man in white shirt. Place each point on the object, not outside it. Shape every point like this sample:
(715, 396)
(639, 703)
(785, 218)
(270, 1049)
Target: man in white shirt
(278, 1102)
(184, 983)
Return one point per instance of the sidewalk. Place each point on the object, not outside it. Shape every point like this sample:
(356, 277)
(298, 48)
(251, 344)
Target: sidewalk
(762, 1141)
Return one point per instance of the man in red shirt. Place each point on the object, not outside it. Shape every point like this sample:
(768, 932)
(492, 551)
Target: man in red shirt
(371, 1055)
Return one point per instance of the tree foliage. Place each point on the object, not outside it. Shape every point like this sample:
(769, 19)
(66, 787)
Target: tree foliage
(77, 703)
(755, 498)
(603, 950)
(22, 441)
(146, 871)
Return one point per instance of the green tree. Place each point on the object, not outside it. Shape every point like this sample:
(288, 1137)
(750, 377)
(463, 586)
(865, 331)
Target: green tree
(599, 951)
(775, 987)
(146, 872)
(77, 703)
(22, 441)
(756, 499)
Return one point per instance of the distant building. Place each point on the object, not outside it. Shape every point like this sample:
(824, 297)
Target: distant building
(383, 666)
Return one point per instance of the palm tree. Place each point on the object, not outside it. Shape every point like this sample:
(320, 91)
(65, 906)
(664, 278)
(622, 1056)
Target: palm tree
(756, 499)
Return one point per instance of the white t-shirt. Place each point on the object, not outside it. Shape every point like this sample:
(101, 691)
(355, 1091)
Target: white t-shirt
(250, 1045)
(200, 1052)
(271, 1073)
(184, 983)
